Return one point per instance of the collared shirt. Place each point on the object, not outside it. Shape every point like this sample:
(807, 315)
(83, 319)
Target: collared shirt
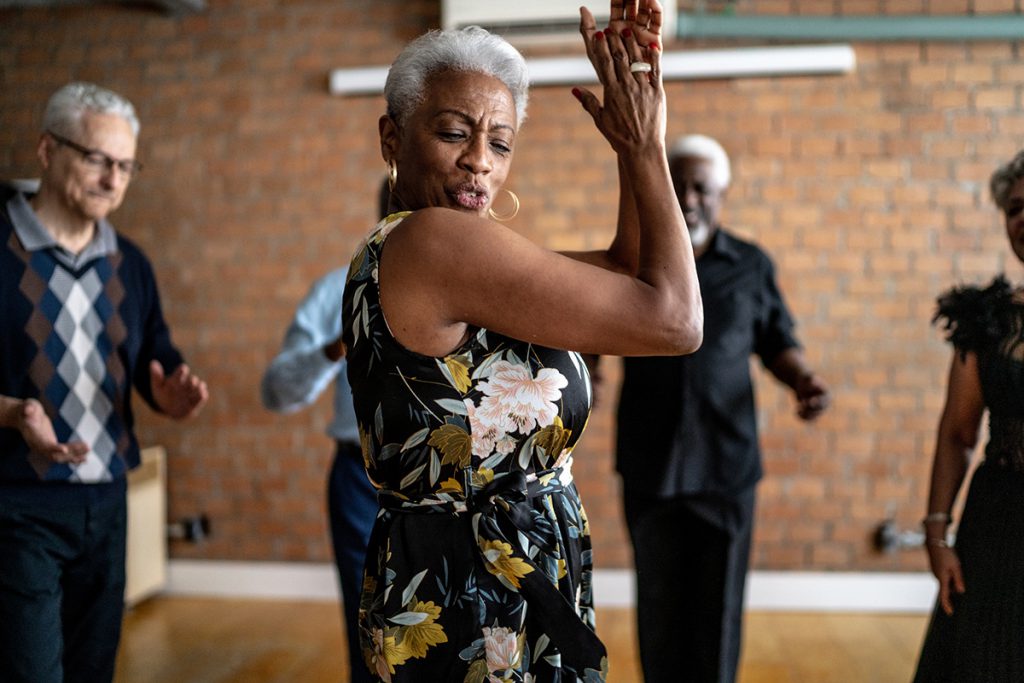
(34, 235)
(687, 424)
(301, 371)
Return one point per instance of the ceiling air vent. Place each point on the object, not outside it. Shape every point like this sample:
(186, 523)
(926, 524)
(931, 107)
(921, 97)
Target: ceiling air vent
(534, 22)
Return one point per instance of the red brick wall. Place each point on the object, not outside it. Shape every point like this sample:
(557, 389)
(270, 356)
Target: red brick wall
(868, 189)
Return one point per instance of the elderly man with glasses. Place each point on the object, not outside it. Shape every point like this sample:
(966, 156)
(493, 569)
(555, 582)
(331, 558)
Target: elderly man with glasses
(80, 325)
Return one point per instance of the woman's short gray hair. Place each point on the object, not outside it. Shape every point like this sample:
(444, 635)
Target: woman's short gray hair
(467, 49)
(704, 147)
(1005, 177)
(63, 114)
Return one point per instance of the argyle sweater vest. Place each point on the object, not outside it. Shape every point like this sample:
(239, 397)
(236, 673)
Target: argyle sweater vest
(77, 340)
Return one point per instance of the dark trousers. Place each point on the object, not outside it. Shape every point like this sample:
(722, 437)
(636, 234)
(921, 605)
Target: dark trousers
(691, 557)
(61, 583)
(352, 507)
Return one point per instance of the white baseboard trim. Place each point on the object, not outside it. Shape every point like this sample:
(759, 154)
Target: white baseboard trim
(893, 592)
(766, 591)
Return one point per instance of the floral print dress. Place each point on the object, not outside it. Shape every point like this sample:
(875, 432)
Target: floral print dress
(479, 565)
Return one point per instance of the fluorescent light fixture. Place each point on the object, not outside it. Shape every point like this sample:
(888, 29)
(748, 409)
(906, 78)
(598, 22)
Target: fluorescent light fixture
(682, 65)
(367, 80)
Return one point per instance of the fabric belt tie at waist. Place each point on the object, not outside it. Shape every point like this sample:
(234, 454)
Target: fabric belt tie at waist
(511, 493)
(507, 497)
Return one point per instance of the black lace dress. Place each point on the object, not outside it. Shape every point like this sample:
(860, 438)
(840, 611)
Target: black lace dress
(983, 640)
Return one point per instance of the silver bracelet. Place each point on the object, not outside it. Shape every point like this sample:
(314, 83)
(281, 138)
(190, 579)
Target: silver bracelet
(937, 542)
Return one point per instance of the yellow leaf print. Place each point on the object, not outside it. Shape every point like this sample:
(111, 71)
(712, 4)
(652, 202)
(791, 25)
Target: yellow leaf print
(477, 671)
(482, 477)
(395, 653)
(357, 264)
(459, 368)
(384, 654)
(366, 445)
(553, 438)
(451, 485)
(455, 444)
(418, 638)
(501, 563)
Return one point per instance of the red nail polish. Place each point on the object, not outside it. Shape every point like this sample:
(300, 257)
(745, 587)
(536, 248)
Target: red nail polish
(626, 33)
(599, 35)
(655, 46)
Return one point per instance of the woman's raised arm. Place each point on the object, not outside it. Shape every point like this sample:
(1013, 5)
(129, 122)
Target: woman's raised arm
(445, 270)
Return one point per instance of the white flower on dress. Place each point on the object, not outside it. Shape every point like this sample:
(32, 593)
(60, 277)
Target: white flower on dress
(521, 401)
(505, 445)
(502, 648)
(483, 429)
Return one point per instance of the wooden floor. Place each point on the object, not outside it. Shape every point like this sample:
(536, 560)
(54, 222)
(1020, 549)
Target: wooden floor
(189, 640)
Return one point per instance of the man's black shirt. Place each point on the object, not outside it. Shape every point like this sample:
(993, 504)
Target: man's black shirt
(687, 424)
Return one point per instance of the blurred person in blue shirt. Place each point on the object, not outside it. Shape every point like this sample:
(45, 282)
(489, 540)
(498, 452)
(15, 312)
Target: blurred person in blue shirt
(312, 357)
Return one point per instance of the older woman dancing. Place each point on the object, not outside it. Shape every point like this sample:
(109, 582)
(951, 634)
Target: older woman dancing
(479, 565)
(977, 628)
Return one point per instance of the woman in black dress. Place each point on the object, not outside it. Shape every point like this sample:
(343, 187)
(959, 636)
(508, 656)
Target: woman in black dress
(468, 397)
(977, 629)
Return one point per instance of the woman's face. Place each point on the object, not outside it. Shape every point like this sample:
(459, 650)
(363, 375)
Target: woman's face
(1014, 215)
(456, 147)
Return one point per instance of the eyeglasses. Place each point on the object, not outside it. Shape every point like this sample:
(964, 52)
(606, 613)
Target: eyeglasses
(97, 160)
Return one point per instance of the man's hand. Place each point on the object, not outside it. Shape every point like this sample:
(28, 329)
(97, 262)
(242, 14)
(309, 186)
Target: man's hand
(179, 395)
(37, 430)
(812, 396)
(335, 350)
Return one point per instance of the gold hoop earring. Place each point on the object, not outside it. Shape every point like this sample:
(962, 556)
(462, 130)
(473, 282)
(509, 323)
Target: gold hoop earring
(392, 175)
(515, 208)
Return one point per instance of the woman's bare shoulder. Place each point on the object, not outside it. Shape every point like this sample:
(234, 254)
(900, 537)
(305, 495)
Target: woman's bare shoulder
(440, 220)
(448, 233)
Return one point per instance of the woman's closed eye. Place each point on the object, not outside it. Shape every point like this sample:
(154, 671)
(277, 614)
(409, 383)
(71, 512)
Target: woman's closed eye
(451, 135)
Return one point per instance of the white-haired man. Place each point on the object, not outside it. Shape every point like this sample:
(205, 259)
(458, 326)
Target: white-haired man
(80, 325)
(687, 445)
